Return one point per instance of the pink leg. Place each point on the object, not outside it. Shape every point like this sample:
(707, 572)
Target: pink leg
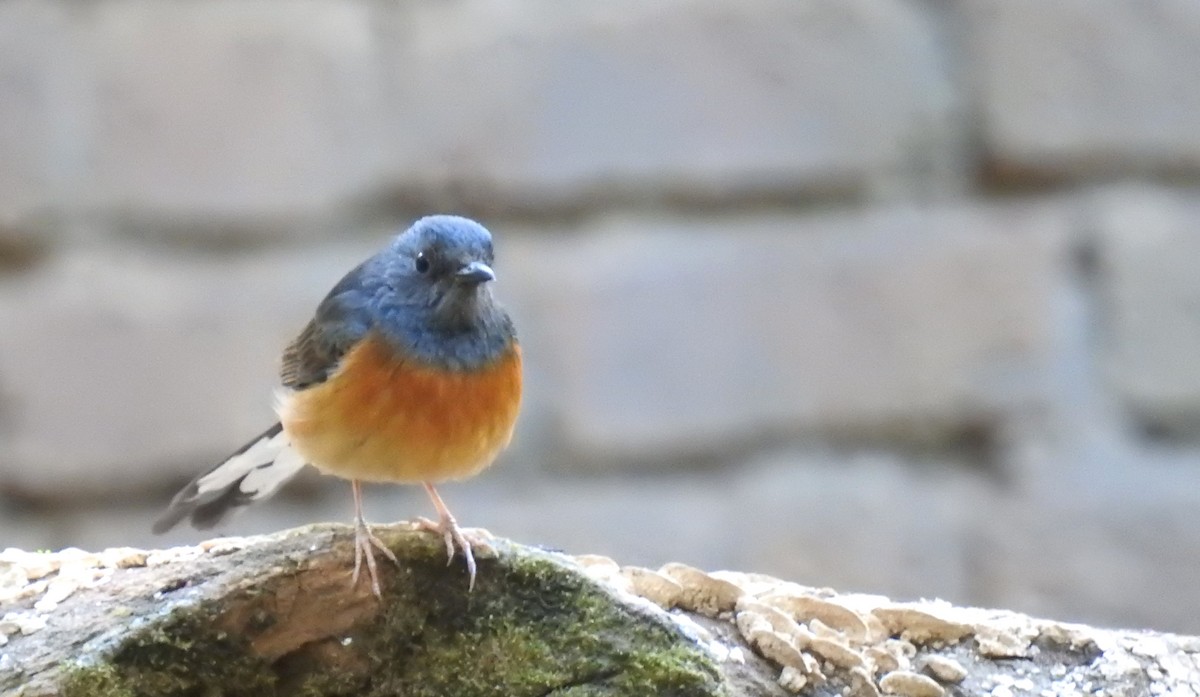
(364, 540)
(448, 528)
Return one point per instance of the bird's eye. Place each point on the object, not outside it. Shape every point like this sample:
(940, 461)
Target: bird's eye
(422, 263)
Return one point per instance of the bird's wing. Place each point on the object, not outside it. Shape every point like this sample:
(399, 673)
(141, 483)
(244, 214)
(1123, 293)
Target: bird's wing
(310, 358)
(341, 320)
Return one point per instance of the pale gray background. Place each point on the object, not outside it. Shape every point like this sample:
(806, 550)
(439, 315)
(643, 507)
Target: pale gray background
(890, 295)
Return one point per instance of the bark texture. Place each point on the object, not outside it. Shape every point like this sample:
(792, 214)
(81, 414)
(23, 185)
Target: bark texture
(277, 615)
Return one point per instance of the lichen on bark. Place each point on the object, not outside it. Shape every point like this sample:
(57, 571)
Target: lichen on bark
(533, 625)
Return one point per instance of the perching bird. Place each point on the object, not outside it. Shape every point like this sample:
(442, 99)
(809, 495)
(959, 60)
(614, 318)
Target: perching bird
(409, 372)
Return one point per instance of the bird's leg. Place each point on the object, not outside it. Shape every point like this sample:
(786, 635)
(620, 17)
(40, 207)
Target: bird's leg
(364, 540)
(448, 528)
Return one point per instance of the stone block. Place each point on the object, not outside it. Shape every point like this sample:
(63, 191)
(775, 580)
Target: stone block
(672, 337)
(123, 369)
(1079, 88)
(39, 129)
(1149, 281)
(865, 521)
(233, 108)
(1119, 555)
(547, 103)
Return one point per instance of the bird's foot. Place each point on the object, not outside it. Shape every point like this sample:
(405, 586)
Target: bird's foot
(365, 544)
(447, 528)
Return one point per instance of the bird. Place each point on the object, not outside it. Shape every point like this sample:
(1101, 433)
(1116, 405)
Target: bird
(409, 372)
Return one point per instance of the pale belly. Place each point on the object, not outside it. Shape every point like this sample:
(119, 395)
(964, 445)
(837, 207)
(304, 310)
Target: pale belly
(386, 420)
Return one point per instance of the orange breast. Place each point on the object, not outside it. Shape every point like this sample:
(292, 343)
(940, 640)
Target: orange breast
(387, 418)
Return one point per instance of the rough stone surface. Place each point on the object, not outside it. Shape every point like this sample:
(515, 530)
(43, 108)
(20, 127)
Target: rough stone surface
(1147, 248)
(1132, 540)
(1076, 88)
(681, 99)
(37, 135)
(232, 108)
(865, 521)
(903, 322)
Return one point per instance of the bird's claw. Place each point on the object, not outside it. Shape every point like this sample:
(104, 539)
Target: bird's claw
(365, 544)
(447, 528)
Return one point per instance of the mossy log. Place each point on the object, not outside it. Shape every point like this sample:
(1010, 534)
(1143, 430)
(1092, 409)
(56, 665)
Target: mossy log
(277, 615)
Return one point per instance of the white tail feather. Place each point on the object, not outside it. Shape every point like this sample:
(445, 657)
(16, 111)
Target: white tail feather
(254, 472)
(263, 481)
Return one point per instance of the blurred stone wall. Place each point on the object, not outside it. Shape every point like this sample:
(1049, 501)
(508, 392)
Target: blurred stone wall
(893, 295)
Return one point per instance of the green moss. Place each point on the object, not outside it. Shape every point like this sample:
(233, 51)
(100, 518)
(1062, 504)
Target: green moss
(531, 627)
(95, 681)
(181, 656)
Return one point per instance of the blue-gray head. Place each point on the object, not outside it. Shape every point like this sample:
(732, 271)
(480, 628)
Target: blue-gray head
(435, 285)
(447, 253)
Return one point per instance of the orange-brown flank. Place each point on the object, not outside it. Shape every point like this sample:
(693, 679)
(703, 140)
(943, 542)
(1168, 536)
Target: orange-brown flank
(385, 418)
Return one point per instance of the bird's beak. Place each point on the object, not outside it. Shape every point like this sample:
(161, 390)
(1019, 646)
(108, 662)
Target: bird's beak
(475, 273)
